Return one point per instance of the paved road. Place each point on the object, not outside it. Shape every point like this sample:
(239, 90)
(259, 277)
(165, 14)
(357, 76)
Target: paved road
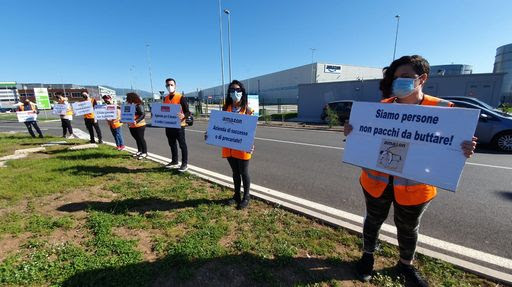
(307, 164)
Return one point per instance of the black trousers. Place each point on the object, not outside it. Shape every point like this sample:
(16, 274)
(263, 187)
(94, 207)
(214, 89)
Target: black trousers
(174, 135)
(90, 124)
(138, 135)
(407, 221)
(66, 127)
(240, 169)
(29, 126)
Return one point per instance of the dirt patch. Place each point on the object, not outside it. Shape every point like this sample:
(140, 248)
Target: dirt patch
(144, 238)
(10, 243)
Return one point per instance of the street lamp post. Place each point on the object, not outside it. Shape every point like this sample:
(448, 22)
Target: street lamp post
(221, 50)
(229, 41)
(149, 68)
(396, 34)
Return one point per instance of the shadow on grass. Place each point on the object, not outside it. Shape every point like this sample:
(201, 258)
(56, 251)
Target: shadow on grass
(142, 205)
(230, 270)
(104, 170)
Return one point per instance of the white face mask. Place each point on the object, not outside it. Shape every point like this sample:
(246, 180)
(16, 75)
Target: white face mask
(236, 96)
(171, 89)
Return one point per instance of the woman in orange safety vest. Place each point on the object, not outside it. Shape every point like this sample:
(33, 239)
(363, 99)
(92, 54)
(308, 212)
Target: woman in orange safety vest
(138, 126)
(115, 124)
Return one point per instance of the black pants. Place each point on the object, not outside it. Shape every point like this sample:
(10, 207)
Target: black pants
(240, 169)
(90, 124)
(407, 221)
(31, 124)
(138, 135)
(179, 135)
(66, 127)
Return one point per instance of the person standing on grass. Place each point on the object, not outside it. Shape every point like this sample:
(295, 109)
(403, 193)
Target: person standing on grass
(178, 134)
(66, 118)
(236, 102)
(90, 120)
(403, 84)
(27, 105)
(138, 126)
(115, 124)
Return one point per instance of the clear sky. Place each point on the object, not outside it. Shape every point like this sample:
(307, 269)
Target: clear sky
(104, 41)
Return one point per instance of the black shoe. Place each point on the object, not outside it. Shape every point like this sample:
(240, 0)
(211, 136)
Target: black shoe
(41, 136)
(183, 168)
(100, 141)
(243, 204)
(92, 141)
(411, 275)
(365, 267)
(172, 165)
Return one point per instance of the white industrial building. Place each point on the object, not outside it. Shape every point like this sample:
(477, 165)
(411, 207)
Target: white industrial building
(283, 87)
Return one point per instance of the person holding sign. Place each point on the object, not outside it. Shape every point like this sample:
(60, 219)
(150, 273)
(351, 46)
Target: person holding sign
(402, 83)
(27, 105)
(236, 102)
(66, 118)
(115, 124)
(174, 134)
(90, 120)
(138, 126)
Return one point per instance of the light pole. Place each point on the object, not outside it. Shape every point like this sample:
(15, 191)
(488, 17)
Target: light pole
(312, 58)
(149, 68)
(229, 41)
(221, 50)
(131, 77)
(396, 34)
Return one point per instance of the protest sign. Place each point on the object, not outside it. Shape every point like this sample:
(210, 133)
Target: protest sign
(60, 109)
(26, 116)
(105, 112)
(165, 115)
(253, 101)
(231, 130)
(42, 98)
(127, 113)
(420, 143)
(82, 108)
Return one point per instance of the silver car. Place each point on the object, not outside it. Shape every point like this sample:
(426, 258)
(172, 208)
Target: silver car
(493, 128)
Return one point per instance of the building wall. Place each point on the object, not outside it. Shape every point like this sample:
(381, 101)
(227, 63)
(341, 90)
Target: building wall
(450, 70)
(503, 64)
(313, 97)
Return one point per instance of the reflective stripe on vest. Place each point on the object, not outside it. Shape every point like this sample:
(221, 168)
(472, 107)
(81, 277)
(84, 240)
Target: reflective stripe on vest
(227, 152)
(116, 123)
(91, 115)
(176, 100)
(407, 192)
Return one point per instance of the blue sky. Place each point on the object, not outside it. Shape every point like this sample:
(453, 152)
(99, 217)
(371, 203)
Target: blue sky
(98, 42)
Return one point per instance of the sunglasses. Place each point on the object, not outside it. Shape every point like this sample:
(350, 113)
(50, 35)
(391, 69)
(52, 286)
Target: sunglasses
(234, 90)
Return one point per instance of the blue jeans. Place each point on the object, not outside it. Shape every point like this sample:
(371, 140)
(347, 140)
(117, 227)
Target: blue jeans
(118, 136)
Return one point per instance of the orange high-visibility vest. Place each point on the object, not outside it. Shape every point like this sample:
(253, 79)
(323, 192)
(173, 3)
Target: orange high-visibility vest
(21, 108)
(91, 115)
(116, 123)
(227, 152)
(176, 100)
(139, 124)
(407, 192)
(69, 110)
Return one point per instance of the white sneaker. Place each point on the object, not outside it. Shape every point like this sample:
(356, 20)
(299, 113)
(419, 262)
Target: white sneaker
(142, 156)
(137, 154)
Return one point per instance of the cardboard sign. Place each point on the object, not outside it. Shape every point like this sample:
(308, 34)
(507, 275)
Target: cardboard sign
(82, 108)
(127, 113)
(232, 130)
(26, 116)
(105, 112)
(165, 115)
(60, 109)
(420, 143)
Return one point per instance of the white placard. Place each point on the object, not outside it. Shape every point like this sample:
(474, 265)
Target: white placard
(105, 112)
(26, 116)
(165, 115)
(253, 101)
(421, 143)
(60, 109)
(232, 130)
(82, 108)
(128, 113)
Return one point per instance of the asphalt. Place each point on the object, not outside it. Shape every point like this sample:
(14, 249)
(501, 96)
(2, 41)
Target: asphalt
(308, 164)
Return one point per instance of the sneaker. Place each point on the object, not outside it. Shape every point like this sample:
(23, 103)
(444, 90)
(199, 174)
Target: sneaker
(183, 168)
(365, 267)
(92, 141)
(243, 204)
(41, 136)
(411, 275)
(100, 141)
(137, 154)
(121, 147)
(142, 156)
(70, 136)
(172, 165)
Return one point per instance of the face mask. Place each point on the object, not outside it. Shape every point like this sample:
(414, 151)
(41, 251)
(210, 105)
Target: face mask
(403, 87)
(171, 89)
(237, 96)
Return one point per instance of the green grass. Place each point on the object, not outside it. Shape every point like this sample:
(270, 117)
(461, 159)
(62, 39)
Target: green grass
(99, 218)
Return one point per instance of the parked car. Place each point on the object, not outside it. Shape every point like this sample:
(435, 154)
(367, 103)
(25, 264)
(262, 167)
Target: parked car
(342, 109)
(493, 128)
(477, 102)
